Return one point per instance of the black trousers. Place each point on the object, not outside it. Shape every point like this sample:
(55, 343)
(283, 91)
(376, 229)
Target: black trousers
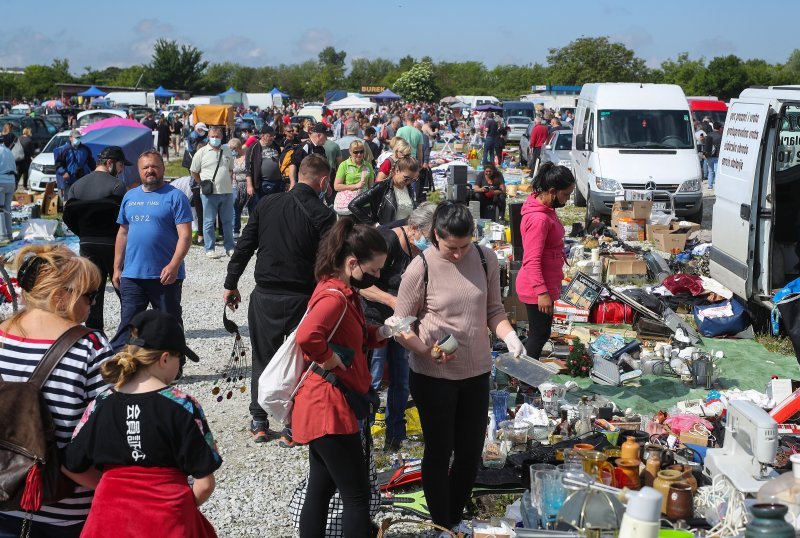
(271, 318)
(197, 203)
(103, 257)
(337, 462)
(539, 329)
(453, 417)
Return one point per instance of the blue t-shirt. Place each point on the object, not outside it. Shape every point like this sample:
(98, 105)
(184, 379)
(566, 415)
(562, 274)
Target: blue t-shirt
(151, 218)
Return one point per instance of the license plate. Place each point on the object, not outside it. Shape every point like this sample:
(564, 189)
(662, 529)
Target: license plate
(660, 206)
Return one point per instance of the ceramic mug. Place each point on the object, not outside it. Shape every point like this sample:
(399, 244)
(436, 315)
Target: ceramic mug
(596, 465)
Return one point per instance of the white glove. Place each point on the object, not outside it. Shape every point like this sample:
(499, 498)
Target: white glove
(384, 332)
(514, 345)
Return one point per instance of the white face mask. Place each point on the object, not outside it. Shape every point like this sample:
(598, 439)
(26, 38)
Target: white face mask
(215, 142)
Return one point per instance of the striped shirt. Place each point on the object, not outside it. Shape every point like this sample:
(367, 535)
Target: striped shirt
(73, 384)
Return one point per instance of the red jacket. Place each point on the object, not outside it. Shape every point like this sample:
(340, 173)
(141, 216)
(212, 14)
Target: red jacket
(538, 135)
(319, 407)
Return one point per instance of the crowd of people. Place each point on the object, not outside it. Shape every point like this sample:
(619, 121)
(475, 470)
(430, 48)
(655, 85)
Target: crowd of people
(364, 250)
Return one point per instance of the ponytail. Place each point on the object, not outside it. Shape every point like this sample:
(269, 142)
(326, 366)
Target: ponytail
(121, 367)
(347, 238)
(552, 176)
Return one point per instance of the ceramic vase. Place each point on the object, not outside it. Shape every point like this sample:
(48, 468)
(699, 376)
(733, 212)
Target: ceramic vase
(652, 467)
(688, 477)
(630, 470)
(680, 503)
(630, 449)
(662, 484)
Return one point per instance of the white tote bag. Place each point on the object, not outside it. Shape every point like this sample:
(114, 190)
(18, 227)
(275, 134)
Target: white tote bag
(284, 374)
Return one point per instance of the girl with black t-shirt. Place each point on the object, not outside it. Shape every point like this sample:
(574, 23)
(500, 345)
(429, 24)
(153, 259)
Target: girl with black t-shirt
(147, 438)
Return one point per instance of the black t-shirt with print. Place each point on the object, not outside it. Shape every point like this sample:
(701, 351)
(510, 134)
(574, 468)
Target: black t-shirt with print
(162, 428)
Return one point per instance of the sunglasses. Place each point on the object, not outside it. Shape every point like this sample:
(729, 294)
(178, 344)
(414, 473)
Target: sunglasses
(358, 152)
(410, 179)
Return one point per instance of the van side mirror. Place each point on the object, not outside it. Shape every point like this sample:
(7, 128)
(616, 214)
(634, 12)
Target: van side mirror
(580, 141)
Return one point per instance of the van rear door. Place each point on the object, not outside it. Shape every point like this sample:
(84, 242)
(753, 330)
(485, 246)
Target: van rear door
(742, 158)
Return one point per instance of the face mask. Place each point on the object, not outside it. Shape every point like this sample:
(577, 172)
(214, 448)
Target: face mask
(234, 153)
(215, 142)
(367, 280)
(422, 243)
(76, 142)
(556, 203)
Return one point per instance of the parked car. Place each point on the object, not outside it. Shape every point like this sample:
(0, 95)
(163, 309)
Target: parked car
(517, 125)
(296, 120)
(88, 117)
(43, 168)
(41, 130)
(557, 148)
(524, 144)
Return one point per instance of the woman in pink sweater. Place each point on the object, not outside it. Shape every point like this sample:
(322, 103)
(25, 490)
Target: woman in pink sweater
(539, 280)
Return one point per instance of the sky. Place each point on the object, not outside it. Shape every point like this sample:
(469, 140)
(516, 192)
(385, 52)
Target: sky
(267, 32)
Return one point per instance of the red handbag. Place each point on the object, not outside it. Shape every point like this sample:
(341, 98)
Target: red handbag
(611, 312)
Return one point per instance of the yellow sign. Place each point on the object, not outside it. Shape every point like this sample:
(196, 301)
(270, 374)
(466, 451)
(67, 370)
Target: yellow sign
(372, 89)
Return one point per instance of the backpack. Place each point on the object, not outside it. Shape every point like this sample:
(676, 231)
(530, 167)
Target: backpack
(285, 160)
(29, 456)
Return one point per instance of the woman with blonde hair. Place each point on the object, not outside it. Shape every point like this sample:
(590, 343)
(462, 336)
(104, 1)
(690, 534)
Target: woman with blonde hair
(398, 149)
(353, 177)
(165, 439)
(58, 288)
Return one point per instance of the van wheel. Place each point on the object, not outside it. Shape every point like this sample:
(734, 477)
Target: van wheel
(580, 201)
(590, 212)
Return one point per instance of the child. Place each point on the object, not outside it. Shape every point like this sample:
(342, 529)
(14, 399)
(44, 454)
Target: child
(475, 141)
(147, 437)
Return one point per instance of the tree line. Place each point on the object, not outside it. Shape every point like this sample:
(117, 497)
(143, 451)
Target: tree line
(587, 59)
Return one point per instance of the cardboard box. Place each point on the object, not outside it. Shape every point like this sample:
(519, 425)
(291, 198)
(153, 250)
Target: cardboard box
(631, 229)
(632, 210)
(670, 241)
(565, 312)
(571, 318)
(23, 198)
(625, 266)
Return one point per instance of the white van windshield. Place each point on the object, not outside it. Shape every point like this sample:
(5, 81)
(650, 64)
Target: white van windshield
(645, 129)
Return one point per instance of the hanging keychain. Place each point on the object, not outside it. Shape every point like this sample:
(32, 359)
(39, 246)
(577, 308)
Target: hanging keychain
(237, 370)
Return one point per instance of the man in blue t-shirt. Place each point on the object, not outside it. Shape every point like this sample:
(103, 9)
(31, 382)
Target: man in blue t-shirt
(154, 237)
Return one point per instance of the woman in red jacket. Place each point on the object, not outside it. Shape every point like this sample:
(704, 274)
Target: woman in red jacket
(539, 280)
(335, 337)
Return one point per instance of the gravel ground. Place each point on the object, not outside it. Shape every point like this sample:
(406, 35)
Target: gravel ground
(256, 481)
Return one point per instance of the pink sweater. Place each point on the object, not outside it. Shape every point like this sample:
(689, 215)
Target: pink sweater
(543, 243)
(461, 300)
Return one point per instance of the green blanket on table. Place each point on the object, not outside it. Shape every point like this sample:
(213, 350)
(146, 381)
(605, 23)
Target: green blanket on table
(746, 365)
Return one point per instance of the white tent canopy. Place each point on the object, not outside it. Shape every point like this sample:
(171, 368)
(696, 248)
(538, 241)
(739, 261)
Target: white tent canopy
(353, 102)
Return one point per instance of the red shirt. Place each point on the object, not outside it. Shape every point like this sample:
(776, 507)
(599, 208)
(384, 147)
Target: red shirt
(319, 407)
(538, 135)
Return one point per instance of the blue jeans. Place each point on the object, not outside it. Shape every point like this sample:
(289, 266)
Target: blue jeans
(213, 204)
(397, 398)
(712, 170)
(136, 294)
(7, 189)
(10, 528)
(488, 150)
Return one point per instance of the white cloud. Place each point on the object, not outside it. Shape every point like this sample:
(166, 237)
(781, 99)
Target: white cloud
(153, 27)
(716, 46)
(634, 37)
(313, 41)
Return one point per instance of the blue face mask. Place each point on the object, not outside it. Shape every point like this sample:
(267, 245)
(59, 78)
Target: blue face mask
(215, 142)
(422, 243)
(76, 142)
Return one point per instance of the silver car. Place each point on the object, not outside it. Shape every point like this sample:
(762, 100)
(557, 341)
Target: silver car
(517, 125)
(557, 148)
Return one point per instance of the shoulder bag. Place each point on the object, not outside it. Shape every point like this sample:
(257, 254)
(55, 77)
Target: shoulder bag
(207, 185)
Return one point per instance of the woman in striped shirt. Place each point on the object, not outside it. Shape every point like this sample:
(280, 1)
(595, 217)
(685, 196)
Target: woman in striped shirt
(58, 287)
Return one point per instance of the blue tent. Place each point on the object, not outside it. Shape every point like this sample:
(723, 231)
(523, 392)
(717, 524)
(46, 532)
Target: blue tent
(133, 142)
(276, 91)
(92, 92)
(161, 93)
(228, 91)
(387, 95)
(334, 95)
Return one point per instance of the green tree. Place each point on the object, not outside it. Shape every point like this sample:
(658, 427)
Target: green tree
(417, 84)
(176, 66)
(727, 76)
(218, 77)
(364, 72)
(40, 80)
(691, 75)
(595, 59)
(9, 86)
(133, 76)
(329, 56)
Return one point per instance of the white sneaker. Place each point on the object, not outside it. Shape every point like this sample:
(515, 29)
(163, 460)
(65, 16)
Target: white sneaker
(230, 253)
(212, 255)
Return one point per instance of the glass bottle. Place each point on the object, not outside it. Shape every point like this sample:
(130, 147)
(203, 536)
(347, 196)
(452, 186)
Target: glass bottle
(785, 489)
(584, 423)
(562, 428)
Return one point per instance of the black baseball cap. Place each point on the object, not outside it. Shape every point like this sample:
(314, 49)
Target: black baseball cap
(319, 128)
(114, 153)
(266, 129)
(160, 330)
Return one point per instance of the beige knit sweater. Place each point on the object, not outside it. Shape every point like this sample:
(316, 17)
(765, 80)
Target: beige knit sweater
(461, 300)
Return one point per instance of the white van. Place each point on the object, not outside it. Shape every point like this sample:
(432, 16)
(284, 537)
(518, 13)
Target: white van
(756, 222)
(635, 137)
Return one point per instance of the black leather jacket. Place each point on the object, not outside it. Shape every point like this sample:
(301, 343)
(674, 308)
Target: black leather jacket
(378, 205)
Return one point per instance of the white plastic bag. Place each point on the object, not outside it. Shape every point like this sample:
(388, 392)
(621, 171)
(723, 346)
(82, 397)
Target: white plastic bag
(285, 373)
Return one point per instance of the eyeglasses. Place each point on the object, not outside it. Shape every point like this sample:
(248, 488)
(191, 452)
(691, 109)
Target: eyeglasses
(358, 152)
(410, 179)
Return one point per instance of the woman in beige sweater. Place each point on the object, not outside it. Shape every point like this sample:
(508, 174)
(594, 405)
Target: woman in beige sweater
(453, 289)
